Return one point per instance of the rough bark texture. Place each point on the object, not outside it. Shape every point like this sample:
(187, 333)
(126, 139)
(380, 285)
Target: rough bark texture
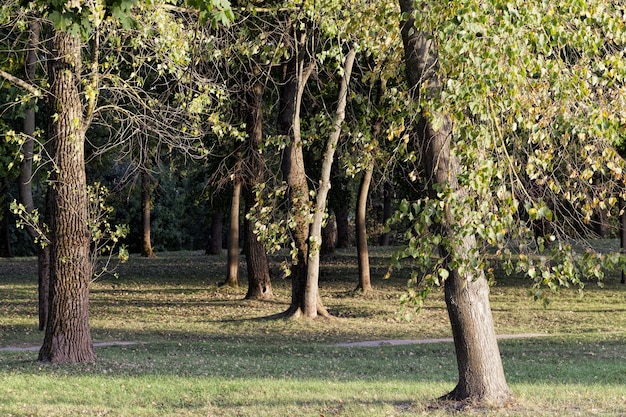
(259, 284)
(232, 267)
(365, 284)
(481, 375)
(146, 209)
(67, 337)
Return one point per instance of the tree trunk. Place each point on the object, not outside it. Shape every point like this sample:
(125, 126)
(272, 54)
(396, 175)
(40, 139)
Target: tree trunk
(387, 212)
(343, 227)
(365, 284)
(5, 213)
(622, 232)
(297, 75)
(67, 337)
(258, 268)
(214, 246)
(25, 178)
(481, 375)
(329, 236)
(146, 208)
(312, 304)
(257, 264)
(232, 273)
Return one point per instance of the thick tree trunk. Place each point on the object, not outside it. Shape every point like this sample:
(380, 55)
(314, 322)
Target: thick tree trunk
(214, 246)
(67, 337)
(387, 212)
(146, 209)
(365, 284)
(259, 284)
(481, 375)
(232, 267)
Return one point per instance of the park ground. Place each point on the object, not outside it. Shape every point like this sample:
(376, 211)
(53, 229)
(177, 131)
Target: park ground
(172, 342)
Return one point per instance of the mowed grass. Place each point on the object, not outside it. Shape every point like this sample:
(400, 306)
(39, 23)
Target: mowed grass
(199, 349)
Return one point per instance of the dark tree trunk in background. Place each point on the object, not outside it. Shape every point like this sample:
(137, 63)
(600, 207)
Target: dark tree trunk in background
(622, 233)
(387, 212)
(343, 227)
(258, 268)
(329, 236)
(5, 215)
(365, 284)
(25, 178)
(67, 337)
(146, 209)
(232, 267)
(214, 246)
(481, 375)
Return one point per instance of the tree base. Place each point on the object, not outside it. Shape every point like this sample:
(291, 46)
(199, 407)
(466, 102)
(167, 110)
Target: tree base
(461, 400)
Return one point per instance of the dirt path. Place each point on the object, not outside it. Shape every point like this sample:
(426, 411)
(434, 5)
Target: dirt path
(36, 348)
(366, 343)
(397, 342)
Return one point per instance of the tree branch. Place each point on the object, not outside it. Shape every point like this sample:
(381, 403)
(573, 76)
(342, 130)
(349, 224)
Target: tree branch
(21, 83)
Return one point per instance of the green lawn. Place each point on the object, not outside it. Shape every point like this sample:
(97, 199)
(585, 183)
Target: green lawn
(200, 350)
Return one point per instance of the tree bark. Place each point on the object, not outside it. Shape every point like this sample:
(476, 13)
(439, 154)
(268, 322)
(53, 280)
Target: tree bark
(232, 272)
(481, 375)
(365, 283)
(67, 337)
(146, 209)
(257, 265)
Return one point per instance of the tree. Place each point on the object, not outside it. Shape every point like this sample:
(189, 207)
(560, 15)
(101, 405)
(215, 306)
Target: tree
(502, 88)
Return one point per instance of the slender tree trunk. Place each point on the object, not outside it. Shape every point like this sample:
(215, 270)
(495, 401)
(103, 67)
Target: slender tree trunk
(622, 232)
(258, 268)
(214, 246)
(365, 284)
(67, 337)
(297, 74)
(25, 178)
(343, 227)
(146, 209)
(481, 375)
(5, 235)
(329, 236)
(312, 304)
(387, 212)
(232, 276)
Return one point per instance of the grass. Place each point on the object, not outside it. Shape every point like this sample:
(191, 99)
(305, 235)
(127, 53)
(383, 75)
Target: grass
(203, 351)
